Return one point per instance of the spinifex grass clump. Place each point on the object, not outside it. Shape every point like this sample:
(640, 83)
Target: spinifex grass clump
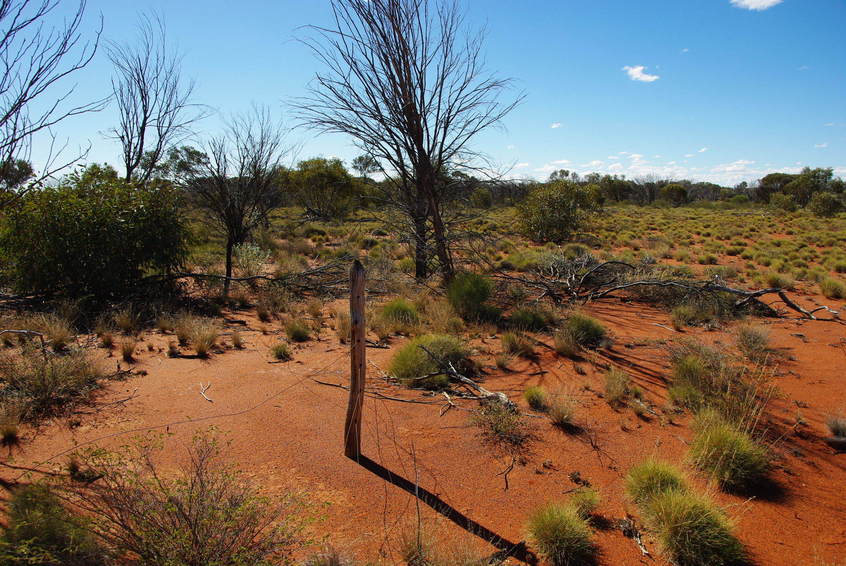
(501, 425)
(420, 363)
(730, 456)
(754, 343)
(585, 331)
(536, 397)
(561, 536)
(651, 478)
(400, 312)
(468, 294)
(517, 344)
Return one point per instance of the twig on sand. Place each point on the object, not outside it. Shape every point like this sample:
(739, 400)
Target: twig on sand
(203, 391)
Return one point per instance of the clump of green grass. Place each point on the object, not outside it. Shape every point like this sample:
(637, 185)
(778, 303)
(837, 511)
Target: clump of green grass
(562, 412)
(537, 397)
(127, 320)
(753, 342)
(652, 477)
(531, 319)
(833, 288)
(561, 536)
(565, 344)
(585, 331)
(400, 313)
(617, 386)
(297, 331)
(692, 530)
(585, 501)
(517, 344)
(281, 351)
(779, 281)
(728, 455)
(423, 357)
(468, 294)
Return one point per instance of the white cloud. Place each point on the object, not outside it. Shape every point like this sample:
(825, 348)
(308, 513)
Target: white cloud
(555, 125)
(688, 155)
(822, 145)
(803, 68)
(757, 5)
(561, 162)
(703, 150)
(595, 163)
(637, 73)
(615, 166)
(521, 165)
(829, 124)
(511, 147)
(612, 157)
(685, 50)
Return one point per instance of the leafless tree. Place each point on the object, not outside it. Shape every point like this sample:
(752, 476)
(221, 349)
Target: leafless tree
(152, 96)
(406, 80)
(35, 62)
(236, 182)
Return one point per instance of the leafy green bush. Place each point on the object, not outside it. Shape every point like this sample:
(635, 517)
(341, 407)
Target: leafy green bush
(551, 213)
(692, 530)
(561, 536)
(281, 351)
(40, 531)
(652, 477)
(730, 456)
(468, 294)
(412, 362)
(94, 234)
(825, 204)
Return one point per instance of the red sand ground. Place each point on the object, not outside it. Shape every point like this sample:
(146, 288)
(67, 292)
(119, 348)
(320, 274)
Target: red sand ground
(286, 431)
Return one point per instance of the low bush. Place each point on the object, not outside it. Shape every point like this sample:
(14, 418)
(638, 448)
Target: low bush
(400, 312)
(40, 531)
(537, 397)
(531, 319)
(281, 351)
(552, 212)
(204, 335)
(728, 455)
(585, 331)
(517, 344)
(754, 343)
(833, 288)
(692, 530)
(468, 294)
(412, 362)
(565, 344)
(501, 426)
(297, 331)
(561, 536)
(652, 477)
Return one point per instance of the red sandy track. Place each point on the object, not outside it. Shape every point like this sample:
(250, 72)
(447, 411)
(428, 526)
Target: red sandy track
(288, 435)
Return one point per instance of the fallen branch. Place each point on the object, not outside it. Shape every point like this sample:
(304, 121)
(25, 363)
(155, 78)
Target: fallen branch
(203, 391)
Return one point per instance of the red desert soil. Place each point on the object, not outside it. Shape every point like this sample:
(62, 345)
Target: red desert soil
(286, 431)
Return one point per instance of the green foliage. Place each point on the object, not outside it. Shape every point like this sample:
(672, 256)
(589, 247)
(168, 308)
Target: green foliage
(412, 361)
(281, 351)
(650, 478)
(92, 235)
(782, 201)
(585, 500)
(552, 212)
(481, 198)
(561, 536)
(617, 386)
(825, 204)
(586, 331)
(753, 342)
(400, 311)
(297, 331)
(729, 456)
(532, 319)
(692, 530)
(324, 187)
(833, 288)
(562, 411)
(468, 293)
(674, 193)
(517, 344)
(536, 397)
(40, 531)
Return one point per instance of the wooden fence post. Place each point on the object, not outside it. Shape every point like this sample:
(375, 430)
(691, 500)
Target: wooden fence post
(352, 428)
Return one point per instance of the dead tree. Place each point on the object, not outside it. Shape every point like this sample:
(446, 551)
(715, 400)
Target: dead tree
(35, 61)
(405, 81)
(153, 99)
(235, 183)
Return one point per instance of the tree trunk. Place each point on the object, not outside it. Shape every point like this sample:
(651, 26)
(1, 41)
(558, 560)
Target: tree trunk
(421, 254)
(229, 245)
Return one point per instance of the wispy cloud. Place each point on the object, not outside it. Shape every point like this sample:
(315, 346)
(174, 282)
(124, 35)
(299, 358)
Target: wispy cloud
(703, 150)
(756, 5)
(638, 73)
(803, 68)
(561, 162)
(685, 50)
(555, 125)
(521, 165)
(821, 145)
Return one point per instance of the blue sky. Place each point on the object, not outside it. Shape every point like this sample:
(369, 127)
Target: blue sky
(720, 90)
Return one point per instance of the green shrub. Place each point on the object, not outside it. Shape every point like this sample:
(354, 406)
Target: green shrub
(531, 319)
(833, 288)
(400, 311)
(652, 477)
(297, 331)
(562, 411)
(412, 362)
(536, 397)
(561, 536)
(468, 293)
(692, 530)
(779, 281)
(93, 234)
(586, 331)
(730, 456)
(825, 204)
(517, 344)
(551, 213)
(40, 531)
(585, 501)
(281, 351)
(565, 344)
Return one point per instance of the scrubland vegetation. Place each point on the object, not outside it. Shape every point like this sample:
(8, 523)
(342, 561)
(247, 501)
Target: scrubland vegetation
(491, 305)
